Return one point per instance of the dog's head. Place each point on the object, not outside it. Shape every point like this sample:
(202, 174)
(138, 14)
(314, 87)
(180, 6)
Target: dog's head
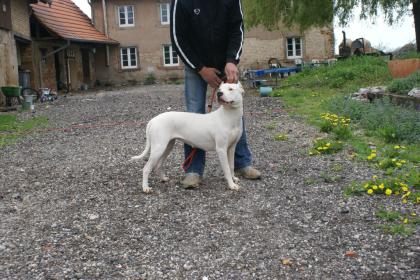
(230, 95)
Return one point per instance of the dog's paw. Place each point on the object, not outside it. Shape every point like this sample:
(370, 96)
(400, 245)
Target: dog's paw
(235, 179)
(234, 187)
(147, 190)
(164, 178)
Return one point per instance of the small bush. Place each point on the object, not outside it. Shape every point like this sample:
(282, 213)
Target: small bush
(380, 118)
(408, 55)
(150, 79)
(404, 85)
(326, 146)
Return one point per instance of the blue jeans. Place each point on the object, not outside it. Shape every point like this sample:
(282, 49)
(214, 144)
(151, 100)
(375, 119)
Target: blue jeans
(195, 99)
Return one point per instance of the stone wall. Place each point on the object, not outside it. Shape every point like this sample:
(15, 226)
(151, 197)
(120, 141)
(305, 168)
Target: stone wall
(8, 62)
(20, 17)
(149, 36)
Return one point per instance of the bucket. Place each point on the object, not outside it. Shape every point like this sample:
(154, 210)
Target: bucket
(265, 91)
(28, 103)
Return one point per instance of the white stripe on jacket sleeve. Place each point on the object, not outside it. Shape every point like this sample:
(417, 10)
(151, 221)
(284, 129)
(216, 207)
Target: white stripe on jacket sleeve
(176, 39)
(242, 32)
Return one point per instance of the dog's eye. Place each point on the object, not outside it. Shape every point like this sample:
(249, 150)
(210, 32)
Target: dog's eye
(230, 89)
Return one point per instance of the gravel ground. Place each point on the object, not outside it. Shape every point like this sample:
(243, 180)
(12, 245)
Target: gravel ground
(71, 205)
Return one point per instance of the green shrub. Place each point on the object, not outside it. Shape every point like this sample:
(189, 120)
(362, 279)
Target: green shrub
(408, 55)
(380, 118)
(404, 85)
(150, 79)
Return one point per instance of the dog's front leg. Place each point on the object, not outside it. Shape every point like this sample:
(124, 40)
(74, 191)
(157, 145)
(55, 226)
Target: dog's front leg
(231, 160)
(223, 157)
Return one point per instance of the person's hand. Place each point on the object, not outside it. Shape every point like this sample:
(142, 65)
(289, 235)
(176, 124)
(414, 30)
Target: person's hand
(232, 73)
(210, 76)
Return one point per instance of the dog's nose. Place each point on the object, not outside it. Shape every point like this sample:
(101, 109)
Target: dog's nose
(219, 94)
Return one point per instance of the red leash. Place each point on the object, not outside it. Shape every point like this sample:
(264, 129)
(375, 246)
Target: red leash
(188, 161)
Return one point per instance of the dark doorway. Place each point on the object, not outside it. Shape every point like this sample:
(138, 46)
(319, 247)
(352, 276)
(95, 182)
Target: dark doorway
(57, 70)
(86, 66)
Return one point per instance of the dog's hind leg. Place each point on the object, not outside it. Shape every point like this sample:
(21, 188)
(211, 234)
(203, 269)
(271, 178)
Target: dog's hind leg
(156, 153)
(162, 159)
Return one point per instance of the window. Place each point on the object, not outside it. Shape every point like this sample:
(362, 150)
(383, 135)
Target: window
(294, 47)
(170, 57)
(126, 15)
(128, 58)
(164, 13)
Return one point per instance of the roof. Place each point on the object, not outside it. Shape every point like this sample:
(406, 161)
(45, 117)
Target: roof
(65, 19)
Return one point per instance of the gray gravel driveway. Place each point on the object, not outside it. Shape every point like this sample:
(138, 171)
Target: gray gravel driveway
(71, 205)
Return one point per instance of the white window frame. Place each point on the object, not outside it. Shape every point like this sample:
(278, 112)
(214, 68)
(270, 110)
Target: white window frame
(171, 56)
(126, 24)
(168, 7)
(294, 56)
(130, 51)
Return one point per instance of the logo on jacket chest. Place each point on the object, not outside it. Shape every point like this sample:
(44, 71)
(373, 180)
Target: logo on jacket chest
(197, 11)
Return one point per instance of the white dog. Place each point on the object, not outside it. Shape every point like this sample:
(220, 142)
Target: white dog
(216, 131)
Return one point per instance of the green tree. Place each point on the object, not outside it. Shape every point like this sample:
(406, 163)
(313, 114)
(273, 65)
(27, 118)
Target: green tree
(307, 13)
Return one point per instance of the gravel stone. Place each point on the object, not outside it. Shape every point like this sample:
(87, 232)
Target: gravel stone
(71, 205)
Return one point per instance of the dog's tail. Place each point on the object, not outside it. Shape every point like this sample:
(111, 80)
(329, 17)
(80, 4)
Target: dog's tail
(147, 148)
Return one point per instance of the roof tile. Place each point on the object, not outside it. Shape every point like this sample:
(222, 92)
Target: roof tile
(66, 20)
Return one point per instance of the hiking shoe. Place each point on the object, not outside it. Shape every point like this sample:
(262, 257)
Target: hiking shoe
(249, 172)
(191, 180)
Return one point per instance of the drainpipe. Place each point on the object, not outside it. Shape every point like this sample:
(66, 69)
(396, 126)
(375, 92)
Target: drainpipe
(105, 30)
(47, 55)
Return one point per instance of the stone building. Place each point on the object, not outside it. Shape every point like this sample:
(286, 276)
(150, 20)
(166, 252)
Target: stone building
(142, 28)
(51, 41)
(15, 37)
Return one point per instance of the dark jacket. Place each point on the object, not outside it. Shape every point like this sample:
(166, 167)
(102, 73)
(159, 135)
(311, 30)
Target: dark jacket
(207, 32)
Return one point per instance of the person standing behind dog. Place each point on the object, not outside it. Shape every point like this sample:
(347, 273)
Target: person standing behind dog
(208, 36)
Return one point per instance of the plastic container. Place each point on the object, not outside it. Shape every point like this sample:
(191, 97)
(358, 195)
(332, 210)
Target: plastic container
(265, 91)
(28, 103)
(11, 91)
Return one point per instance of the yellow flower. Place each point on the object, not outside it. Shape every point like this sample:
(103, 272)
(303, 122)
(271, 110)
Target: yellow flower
(370, 191)
(404, 201)
(366, 185)
(375, 187)
(381, 186)
(397, 147)
(374, 177)
(405, 221)
(388, 192)
(328, 144)
(398, 164)
(413, 214)
(405, 189)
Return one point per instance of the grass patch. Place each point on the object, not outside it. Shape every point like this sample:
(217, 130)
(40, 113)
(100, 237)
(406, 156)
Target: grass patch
(404, 85)
(408, 55)
(11, 128)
